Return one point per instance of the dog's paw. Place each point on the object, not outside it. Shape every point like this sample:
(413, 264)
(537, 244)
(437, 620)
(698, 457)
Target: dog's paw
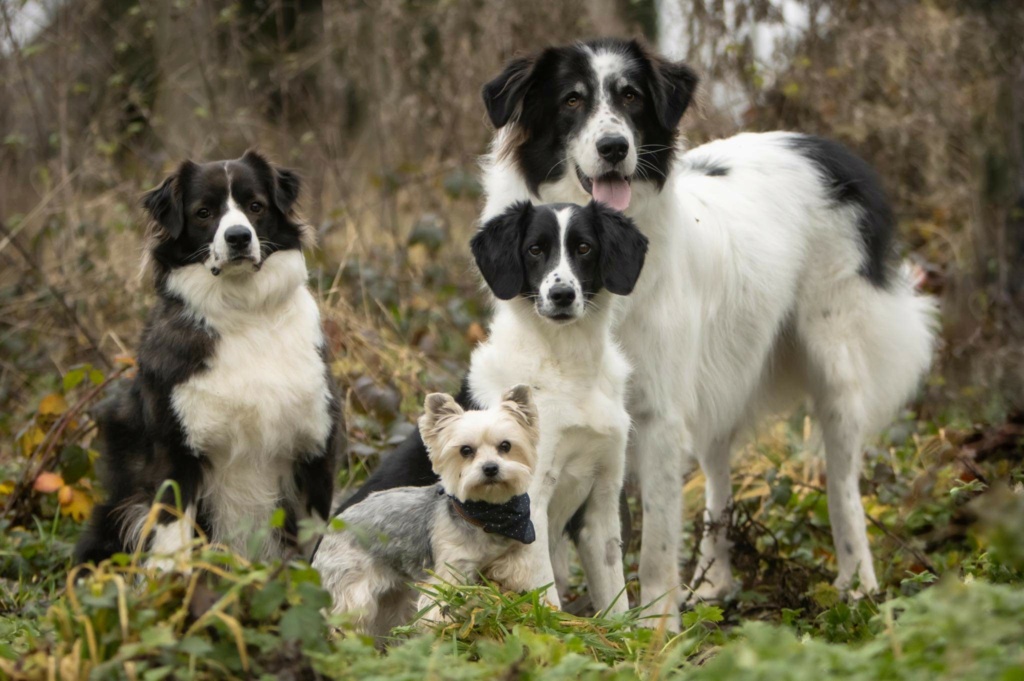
(854, 589)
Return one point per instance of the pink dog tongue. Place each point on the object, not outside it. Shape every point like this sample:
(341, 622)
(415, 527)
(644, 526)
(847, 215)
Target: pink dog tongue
(613, 192)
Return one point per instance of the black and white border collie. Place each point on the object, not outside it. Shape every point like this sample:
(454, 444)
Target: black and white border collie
(770, 277)
(233, 399)
(556, 272)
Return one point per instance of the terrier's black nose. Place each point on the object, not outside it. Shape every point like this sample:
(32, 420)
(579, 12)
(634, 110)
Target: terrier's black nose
(562, 295)
(490, 469)
(238, 236)
(613, 148)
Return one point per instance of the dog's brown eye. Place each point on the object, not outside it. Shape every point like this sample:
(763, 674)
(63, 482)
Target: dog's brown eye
(203, 213)
(466, 451)
(505, 447)
(572, 101)
(535, 250)
(256, 207)
(629, 96)
(583, 249)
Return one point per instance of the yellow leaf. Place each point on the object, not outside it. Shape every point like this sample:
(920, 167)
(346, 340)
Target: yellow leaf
(48, 482)
(6, 487)
(32, 438)
(52, 405)
(65, 495)
(78, 506)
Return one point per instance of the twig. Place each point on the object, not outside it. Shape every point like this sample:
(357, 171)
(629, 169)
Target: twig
(69, 313)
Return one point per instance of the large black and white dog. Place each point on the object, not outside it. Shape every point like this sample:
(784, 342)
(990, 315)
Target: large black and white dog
(770, 277)
(233, 400)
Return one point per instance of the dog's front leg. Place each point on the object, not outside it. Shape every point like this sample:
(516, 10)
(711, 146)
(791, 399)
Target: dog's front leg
(448, 569)
(600, 537)
(314, 482)
(659, 455)
(172, 536)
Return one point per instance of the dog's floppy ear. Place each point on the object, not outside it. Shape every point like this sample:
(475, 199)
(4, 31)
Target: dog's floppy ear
(438, 410)
(496, 248)
(166, 203)
(623, 249)
(503, 95)
(672, 87)
(518, 401)
(286, 183)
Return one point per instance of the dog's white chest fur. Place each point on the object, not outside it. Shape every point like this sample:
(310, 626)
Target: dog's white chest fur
(579, 377)
(263, 400)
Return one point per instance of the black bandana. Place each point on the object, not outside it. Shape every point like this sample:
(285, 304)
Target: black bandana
(511, 519)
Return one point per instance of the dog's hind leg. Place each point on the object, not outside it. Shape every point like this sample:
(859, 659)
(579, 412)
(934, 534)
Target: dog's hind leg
(867, 348)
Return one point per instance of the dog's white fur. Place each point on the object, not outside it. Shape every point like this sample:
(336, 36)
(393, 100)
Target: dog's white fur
(579, 376)
(750, 298)
(249, 417)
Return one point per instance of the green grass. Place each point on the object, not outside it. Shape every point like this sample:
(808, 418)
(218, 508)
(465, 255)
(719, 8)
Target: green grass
(232, 619)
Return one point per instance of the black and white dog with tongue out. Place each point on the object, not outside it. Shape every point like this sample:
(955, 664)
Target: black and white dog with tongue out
(771, 278)
(233, 400)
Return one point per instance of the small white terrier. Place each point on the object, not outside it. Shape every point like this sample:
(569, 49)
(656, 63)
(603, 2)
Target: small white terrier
(465, 525)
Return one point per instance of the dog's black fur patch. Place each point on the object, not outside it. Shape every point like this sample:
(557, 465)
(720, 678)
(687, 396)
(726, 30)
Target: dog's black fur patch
(852, 181)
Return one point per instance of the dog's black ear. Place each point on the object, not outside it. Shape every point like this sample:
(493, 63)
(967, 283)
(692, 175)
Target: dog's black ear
(503, 94)
(497, 249)
(286, 183)
(623, 249)
(166, 203)
(672, 87)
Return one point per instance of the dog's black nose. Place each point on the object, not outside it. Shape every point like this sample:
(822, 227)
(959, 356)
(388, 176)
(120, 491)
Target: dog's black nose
(562, 295)
(490, 469)
(613, 148)
(238, 236)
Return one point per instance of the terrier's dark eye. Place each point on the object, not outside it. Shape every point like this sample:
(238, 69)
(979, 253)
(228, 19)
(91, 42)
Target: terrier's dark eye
(583, 249)
(573, 101)
(505, 447)
(203, 213)
(256, 207)
(466, 451)
(535, 250)
(630, 96)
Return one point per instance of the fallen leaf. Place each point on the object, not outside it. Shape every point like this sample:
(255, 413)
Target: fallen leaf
(6, 487)
(48, 482)
(53, 404)
(78, 506)
(31, 438)
(65, 495)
